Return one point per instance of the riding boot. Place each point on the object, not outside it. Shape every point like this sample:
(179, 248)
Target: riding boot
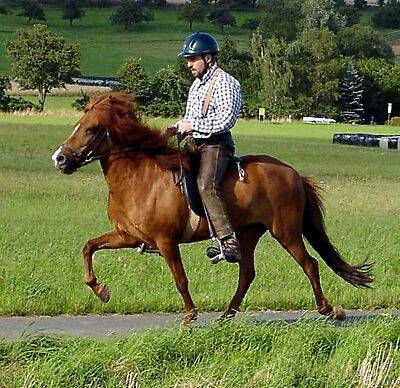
(230, 248)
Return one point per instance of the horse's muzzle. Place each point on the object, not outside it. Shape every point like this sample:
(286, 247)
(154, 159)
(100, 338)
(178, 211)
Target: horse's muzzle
(67, 165)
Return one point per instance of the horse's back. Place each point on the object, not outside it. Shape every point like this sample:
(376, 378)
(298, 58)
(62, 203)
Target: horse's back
(270, 186)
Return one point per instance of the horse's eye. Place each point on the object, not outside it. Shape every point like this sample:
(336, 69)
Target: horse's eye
(90, 129)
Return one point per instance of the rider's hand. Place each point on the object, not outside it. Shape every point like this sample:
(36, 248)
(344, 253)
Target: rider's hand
(185, 127)
(170, 131)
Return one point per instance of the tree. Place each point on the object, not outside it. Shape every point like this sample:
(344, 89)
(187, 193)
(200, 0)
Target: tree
(351, 14)
(363, 42)
(3, 9)
(221, 18)
(42, 60)
(279, 19)
(133, 79)
(130, 13)
(274, 71)
(192, 12)
(351, 93)
(320, 14)
(168, 93)
(4, 85)
(72, 10)
(235, 63)
(387, 17)
(381, 86)
(316, 71)
(360, 4)
(32, 10)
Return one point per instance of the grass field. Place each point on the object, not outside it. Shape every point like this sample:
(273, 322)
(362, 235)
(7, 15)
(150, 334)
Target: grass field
(235, 355)
(156, 42)
(46, 218)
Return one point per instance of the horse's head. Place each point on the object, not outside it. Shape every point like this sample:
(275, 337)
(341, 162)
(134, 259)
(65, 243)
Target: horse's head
(91, 137)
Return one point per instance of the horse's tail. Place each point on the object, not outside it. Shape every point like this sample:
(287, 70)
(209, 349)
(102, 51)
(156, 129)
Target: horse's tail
(358, 275)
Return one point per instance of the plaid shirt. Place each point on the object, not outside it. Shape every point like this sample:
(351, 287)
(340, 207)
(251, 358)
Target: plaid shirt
(224, 105)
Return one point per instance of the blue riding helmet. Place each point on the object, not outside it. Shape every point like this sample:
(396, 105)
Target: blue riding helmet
(199, 43)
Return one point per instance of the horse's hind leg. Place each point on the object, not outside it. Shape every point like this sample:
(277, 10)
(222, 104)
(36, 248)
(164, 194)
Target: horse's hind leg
(248, 239)
(110, 240)
(309, 265)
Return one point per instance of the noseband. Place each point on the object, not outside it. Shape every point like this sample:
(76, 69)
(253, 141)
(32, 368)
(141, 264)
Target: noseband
(80, 159)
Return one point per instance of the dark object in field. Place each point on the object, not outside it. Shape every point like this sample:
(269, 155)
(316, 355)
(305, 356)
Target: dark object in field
(367, 140)
(146, 206)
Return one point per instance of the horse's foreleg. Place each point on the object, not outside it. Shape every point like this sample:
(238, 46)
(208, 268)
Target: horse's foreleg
(173, 258)
(248, 239)
(110, 240)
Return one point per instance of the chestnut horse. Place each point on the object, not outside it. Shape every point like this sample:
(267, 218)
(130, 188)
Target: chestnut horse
(146, 206)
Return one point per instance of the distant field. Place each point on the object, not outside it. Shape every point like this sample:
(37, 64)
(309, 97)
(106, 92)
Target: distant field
(46, 218)
(104, 46)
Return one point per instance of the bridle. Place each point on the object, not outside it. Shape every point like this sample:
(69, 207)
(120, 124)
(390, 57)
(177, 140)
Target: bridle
(85, 157)
(80, 159)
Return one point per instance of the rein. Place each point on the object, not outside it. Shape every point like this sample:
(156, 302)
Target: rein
(83, 158)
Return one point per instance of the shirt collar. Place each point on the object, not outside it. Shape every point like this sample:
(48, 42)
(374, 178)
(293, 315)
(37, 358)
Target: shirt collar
(209, 74)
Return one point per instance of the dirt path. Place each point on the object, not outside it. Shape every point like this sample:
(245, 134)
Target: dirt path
(96, 326)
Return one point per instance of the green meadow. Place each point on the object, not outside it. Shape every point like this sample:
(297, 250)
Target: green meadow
(104, 46)
(47, 217)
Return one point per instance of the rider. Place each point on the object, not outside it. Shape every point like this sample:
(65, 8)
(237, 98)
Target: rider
(212, 109)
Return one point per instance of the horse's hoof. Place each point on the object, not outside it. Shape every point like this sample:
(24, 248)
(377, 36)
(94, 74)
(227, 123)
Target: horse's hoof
(338, 313)
(104, 293)
(189, 319)
(227, 316)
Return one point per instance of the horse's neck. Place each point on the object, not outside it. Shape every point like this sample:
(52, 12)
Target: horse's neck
(140, 172)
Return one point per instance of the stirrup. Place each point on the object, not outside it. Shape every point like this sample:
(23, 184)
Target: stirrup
(144, 248)
(215, 254)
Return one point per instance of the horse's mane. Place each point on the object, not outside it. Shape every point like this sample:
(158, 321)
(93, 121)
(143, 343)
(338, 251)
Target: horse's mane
(116, 111)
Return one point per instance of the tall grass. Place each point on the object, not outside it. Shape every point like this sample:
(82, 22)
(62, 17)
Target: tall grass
(231, 355)
(46, 218)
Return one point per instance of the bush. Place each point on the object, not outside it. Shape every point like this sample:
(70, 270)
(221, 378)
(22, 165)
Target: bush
(387, 17)
(162, 108)
(395, 121)
(251, 23)
(11, 104)
(81, 102)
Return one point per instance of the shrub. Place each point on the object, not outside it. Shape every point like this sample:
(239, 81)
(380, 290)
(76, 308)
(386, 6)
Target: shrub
(387, 17)
(395, 121)
(9, 104)
(81, 101)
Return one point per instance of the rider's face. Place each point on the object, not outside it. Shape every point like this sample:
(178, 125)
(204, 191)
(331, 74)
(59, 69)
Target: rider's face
(197, 65)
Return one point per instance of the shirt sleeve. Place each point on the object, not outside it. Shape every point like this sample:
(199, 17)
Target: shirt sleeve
(226, 103)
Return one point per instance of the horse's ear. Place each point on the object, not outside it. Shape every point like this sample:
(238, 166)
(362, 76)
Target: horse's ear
(111, 98)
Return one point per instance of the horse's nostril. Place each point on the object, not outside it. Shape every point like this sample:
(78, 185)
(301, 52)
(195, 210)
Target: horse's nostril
(60, 159)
